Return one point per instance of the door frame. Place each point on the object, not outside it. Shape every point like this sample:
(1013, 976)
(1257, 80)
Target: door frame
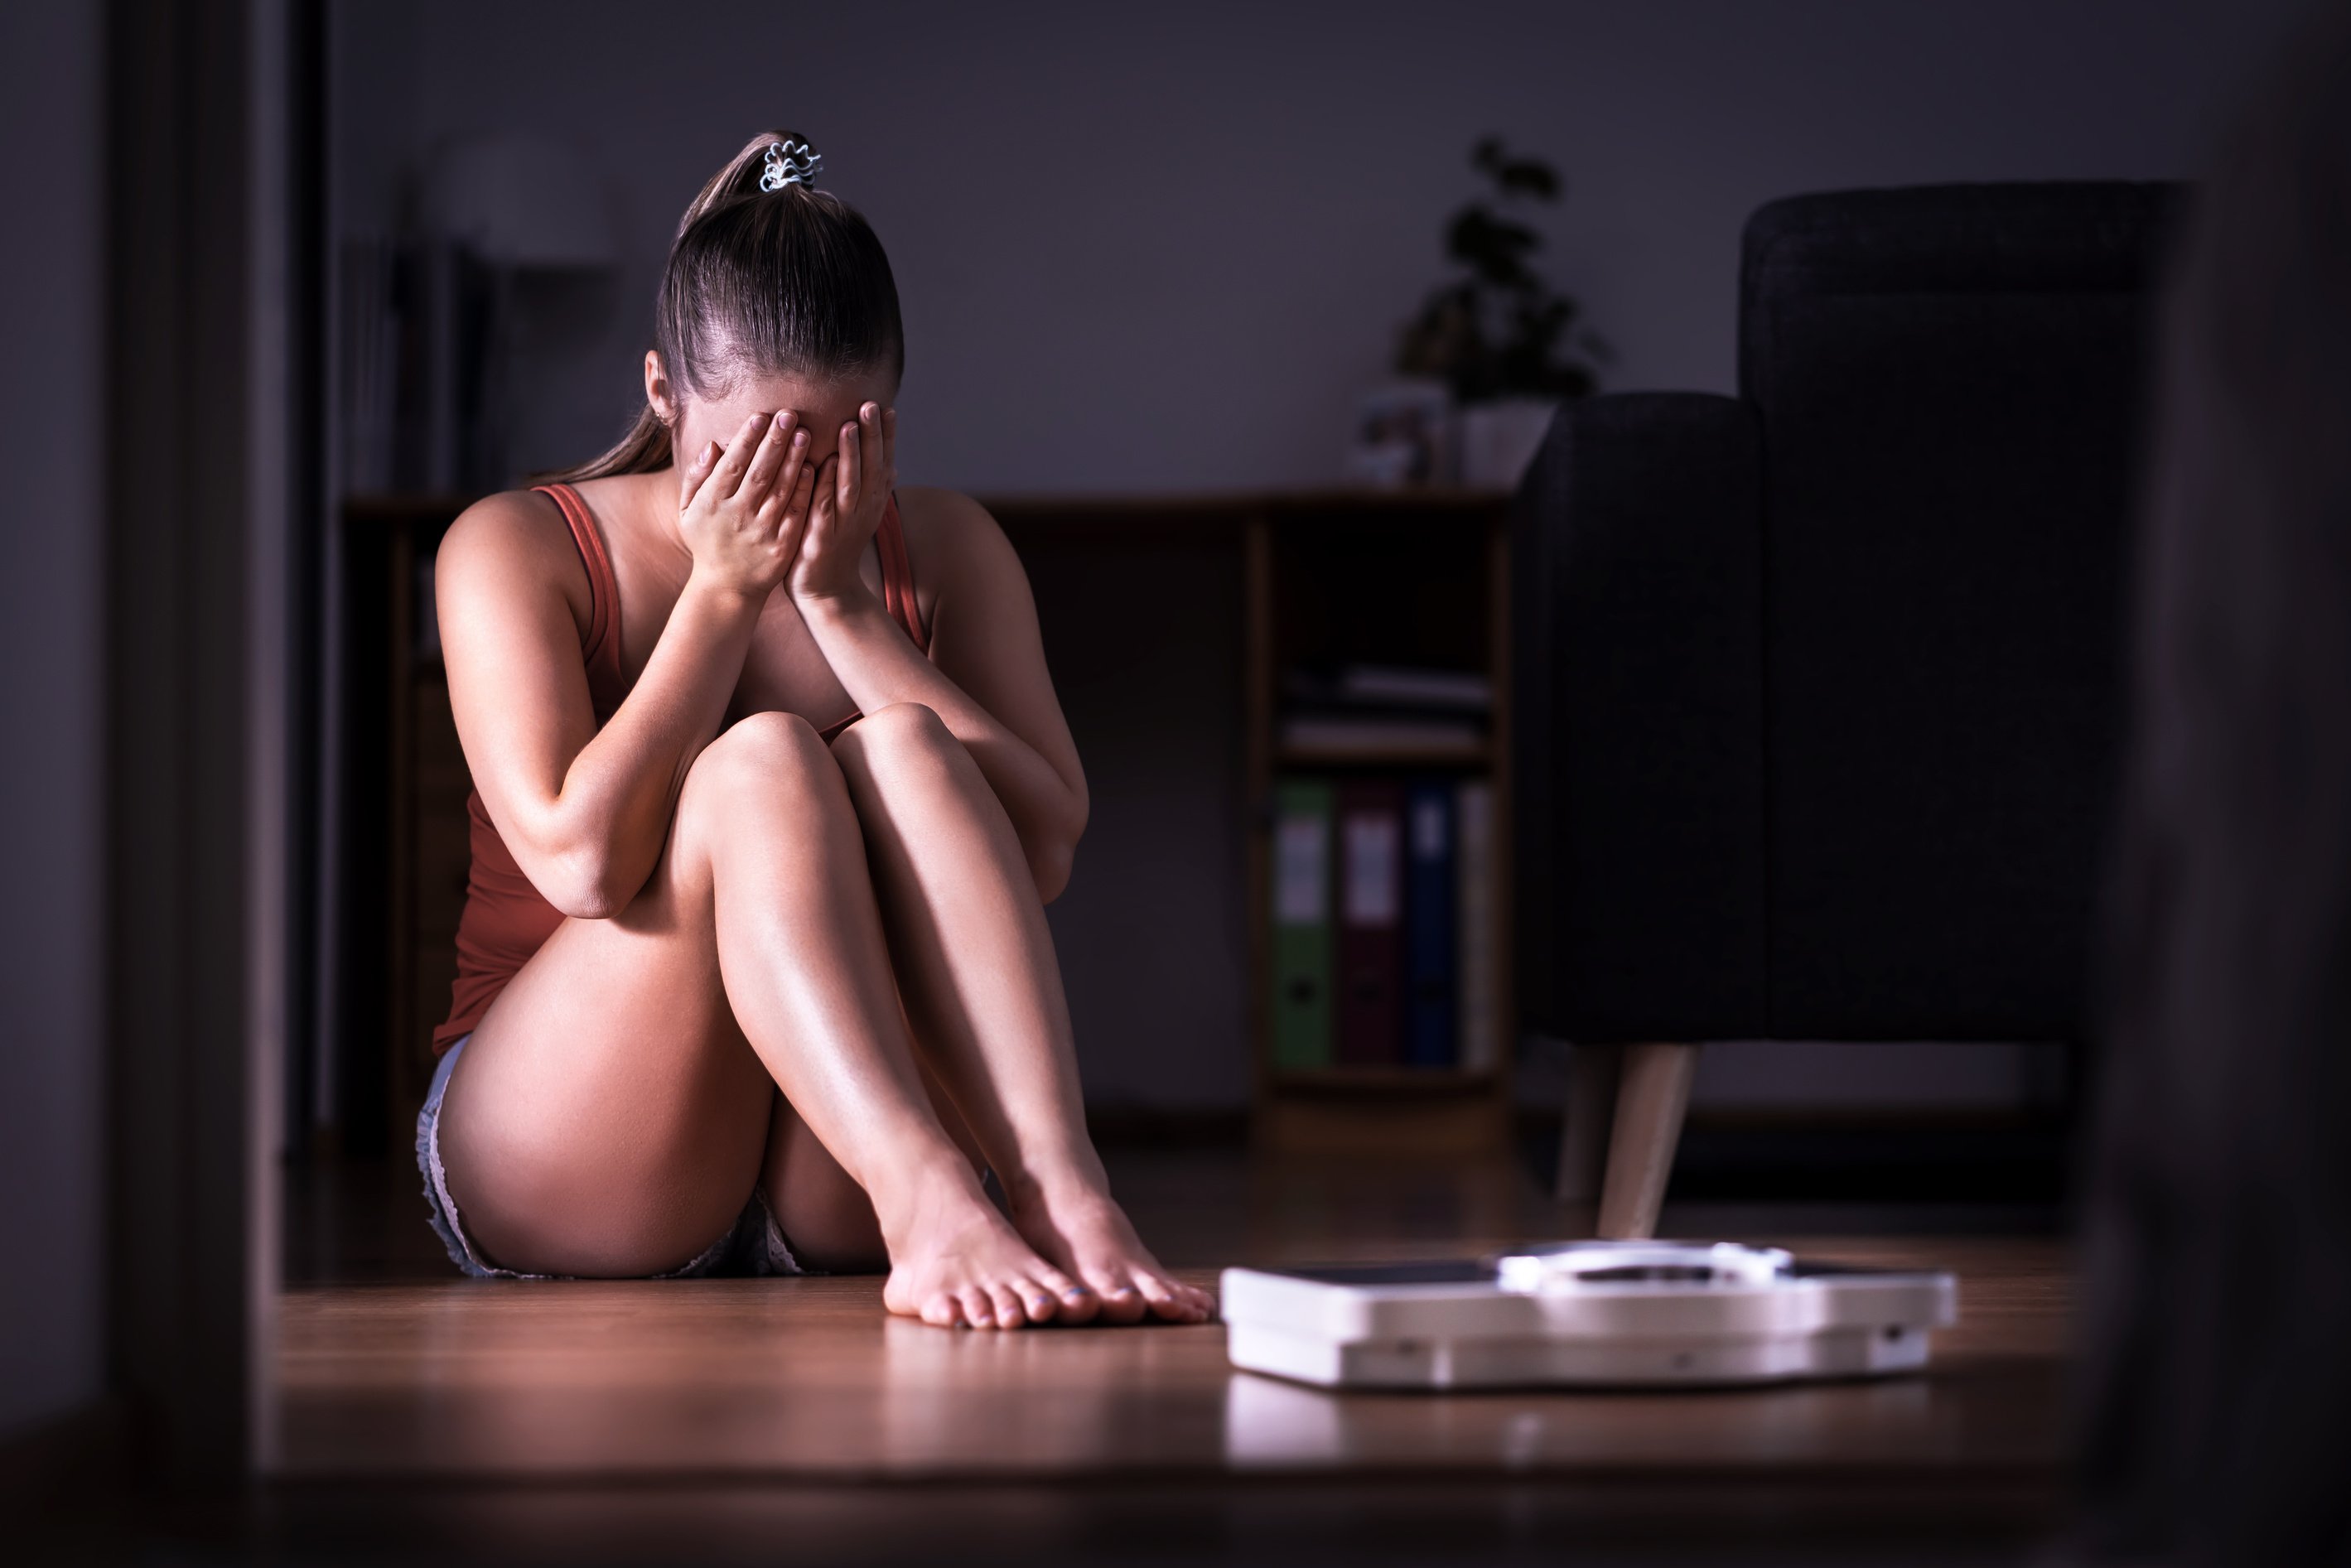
(207, 334)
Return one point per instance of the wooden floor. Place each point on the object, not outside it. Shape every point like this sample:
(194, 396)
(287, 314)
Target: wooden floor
(583, 1415)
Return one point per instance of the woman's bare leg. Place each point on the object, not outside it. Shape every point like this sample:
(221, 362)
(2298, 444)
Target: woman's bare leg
(831, 1224)
(983, 992)
(610, 1114)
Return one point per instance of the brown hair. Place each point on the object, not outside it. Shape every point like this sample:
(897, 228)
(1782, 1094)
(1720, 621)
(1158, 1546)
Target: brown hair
(790, 282)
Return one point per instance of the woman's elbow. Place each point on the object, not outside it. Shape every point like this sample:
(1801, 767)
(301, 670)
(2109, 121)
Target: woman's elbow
(584, 883)
(1052, 855)
(1052, 851)
(1050, 865)
(1050, 868)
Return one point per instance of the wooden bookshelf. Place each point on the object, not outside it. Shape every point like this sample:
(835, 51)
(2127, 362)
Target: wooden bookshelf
(1400, 578)
(1293, 757)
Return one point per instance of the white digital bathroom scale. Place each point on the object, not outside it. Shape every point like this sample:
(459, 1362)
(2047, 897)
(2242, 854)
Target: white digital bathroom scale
(1585, 1313)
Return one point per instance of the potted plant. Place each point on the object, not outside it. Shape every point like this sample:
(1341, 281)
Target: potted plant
(1507, 346)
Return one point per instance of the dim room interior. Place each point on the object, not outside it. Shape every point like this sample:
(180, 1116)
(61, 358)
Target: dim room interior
(1587, 552)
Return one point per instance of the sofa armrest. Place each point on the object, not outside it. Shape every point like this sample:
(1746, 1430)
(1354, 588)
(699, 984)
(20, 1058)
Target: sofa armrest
(1637, 701)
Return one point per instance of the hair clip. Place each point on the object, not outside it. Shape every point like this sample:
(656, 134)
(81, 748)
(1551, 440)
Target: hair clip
(790, 162)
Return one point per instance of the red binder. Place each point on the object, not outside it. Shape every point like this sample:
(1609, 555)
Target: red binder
(1371, 923)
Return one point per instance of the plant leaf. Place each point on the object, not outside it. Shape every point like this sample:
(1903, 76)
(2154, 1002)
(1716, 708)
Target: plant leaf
(1502, 330)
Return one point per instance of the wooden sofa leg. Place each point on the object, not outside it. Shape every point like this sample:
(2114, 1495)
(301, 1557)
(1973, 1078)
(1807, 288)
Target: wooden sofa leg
(1583, 1134)
(1652, 1093)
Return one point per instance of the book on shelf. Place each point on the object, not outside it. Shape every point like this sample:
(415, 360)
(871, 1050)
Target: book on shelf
(1480, 1048)
(1371, 922)
(1383, 707)
(1389, 686)
(1431, 955)
(1383, 924)
(1302, 925)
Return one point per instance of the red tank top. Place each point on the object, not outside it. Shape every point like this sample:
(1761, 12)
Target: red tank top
(505, 919)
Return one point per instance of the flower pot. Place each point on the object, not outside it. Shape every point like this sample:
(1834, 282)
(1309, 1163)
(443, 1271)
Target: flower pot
(1499, 439)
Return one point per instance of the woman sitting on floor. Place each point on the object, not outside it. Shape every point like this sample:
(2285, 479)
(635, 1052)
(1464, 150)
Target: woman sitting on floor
(772, 788)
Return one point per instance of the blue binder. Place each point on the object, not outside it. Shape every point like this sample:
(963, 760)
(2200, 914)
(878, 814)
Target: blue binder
(1431, 939)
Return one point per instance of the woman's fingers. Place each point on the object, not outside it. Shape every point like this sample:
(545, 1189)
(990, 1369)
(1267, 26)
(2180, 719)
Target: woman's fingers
(803, 508)
(728, 475)
(873, 466)
(784, 514)
(794, 480)
(824, 504)
(845, 477)
(769, 454)
(789, 466)
(767, 462)
(696, 473)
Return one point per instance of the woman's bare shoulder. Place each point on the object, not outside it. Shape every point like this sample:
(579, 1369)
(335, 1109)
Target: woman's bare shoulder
(514, 540)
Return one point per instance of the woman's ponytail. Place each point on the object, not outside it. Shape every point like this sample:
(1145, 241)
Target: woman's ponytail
(739, 177)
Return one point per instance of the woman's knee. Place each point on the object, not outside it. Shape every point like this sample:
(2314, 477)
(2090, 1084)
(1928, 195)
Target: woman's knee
(764, 752)
(900, 732)
(762, 762)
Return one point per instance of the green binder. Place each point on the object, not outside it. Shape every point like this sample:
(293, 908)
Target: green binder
(1301, 924)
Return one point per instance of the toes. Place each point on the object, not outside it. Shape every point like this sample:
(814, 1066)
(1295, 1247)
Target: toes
(1168, 1300)
(1076, 1304)
(941, 1312)
(1121, 1301)
(1009, 1313)
(1040, 1303)
(978, 1310)
(1194, 1299)
(1066, 1301)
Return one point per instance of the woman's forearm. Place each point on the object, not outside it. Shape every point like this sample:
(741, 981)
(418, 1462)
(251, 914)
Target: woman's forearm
(604, 829)
(872, 659)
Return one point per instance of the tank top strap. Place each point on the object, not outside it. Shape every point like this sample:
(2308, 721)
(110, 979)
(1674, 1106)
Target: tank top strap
(898, 577)
(602, 646)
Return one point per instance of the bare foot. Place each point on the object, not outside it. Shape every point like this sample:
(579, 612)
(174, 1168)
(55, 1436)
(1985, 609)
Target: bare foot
(955, 1262)
(1074, 1223)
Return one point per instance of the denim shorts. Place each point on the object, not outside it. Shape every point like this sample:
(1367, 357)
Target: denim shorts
(753, 1245)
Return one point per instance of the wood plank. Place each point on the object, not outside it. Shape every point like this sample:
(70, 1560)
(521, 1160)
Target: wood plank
(810, 1379)
(620, 1422)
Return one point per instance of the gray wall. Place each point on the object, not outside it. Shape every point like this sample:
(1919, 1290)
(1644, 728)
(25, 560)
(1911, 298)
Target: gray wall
(1161, 250)
(51, 1025)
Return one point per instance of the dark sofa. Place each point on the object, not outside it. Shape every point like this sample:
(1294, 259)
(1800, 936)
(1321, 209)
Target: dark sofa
(1818, 688)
